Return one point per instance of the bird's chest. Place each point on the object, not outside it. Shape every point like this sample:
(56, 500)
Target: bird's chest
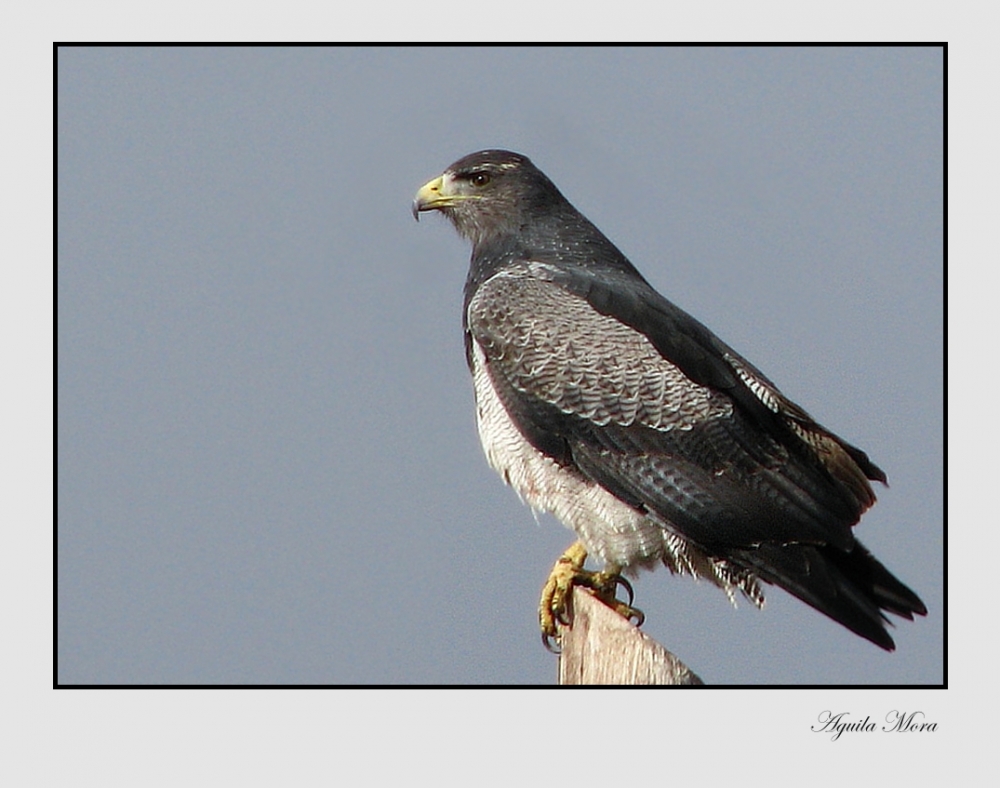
(611, 530)
(537, 479)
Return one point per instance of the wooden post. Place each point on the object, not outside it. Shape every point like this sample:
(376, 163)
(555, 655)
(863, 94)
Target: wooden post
(601, 647)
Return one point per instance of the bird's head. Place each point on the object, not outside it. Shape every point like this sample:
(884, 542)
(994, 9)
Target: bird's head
(488, 194)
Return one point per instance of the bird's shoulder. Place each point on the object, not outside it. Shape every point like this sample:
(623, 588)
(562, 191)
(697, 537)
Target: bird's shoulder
(550, 343)
(525, 300)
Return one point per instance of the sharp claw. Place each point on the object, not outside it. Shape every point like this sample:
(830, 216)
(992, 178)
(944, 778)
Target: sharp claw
(619, 580)
(554, 608)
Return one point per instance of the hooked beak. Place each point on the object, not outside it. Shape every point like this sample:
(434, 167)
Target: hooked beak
(429, 197)
(440, 193)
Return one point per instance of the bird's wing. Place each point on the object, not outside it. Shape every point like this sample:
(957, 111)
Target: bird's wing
(664, 429)
(708, 361)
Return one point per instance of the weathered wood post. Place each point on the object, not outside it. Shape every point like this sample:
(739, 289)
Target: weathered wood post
(601, 647)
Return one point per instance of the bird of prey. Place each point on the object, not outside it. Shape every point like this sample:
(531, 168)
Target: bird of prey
(601, 402)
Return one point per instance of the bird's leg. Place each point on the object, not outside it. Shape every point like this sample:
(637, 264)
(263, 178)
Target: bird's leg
(568, 572)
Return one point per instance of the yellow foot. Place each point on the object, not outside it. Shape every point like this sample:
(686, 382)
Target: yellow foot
(558, 590)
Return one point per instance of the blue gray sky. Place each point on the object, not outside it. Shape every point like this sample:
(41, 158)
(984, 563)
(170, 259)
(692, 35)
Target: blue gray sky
(268, 465)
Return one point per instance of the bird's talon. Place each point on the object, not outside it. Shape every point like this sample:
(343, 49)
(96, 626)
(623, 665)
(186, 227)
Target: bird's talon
(629, 613)
(554, 608)
(619, 580)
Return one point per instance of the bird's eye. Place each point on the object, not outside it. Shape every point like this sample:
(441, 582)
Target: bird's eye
(480, 179)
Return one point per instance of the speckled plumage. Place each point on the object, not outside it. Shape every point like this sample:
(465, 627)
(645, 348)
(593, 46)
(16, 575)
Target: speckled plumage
(603, 403)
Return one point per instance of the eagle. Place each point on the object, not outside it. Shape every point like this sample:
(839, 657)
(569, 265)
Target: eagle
(601, 402)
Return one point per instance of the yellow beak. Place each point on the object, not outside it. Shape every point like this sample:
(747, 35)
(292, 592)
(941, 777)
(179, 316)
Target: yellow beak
(429, 197)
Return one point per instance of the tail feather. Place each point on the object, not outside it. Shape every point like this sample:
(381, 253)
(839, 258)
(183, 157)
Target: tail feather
(853, 588)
